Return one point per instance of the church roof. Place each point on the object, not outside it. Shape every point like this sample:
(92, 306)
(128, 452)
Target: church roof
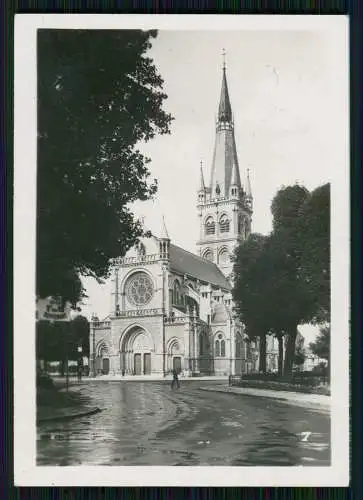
(220, 313)
(186, 262)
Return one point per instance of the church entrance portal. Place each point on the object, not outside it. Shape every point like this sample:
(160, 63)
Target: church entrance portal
(135, 353)
(105, 366)
(147, 363)
(137, 364)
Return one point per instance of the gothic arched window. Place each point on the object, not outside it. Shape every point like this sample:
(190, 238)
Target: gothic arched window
(224, 224)
(223, 348)
(223, 257)
(208, 255)
(240, 224)
(210, 226)
(220, 346)
(238, 346)
(176, 292)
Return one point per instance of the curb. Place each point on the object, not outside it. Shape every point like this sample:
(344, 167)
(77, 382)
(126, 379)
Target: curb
(321, 408)
(69, 416)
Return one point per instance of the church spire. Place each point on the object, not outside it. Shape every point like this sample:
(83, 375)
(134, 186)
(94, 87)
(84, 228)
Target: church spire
(202, 185)
(235, 178)
(225, 161)
(248, 185)
(164, 232)
(225, 109)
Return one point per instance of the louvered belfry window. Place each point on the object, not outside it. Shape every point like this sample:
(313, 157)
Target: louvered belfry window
(210, 226)
(224, 224)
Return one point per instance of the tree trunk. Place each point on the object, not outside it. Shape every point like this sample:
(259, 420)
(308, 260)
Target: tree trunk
(290, 352)
(280, 340)
(62, 368)
(262, 367)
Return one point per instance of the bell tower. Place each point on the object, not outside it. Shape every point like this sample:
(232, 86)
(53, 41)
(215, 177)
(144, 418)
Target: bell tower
(225, 206)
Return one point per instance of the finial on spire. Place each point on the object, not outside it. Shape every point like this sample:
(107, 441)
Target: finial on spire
(164, 231)
(248, 184)
(202, 185)
(224, 58)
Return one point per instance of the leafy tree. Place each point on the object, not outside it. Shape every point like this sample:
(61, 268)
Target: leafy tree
(99, 95)
(293, 303)
(315, 244)
(300, 353)
(321, 346)
(80, 329)
(248, 291)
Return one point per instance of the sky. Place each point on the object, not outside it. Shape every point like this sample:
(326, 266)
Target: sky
(282, 86)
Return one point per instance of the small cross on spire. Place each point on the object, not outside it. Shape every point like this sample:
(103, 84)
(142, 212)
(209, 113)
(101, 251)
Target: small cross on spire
(224, 58)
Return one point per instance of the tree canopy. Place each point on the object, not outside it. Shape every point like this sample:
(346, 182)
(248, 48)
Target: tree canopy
(283, 279)
(315, 246)
(59, 340)
(99, 95)
(321, 346)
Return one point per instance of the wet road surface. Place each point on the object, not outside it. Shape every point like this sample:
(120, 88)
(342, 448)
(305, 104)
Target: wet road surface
(147, 423)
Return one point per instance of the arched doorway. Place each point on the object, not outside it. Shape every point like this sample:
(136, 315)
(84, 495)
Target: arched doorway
(175, 357)
(102, 359)
(136, 352)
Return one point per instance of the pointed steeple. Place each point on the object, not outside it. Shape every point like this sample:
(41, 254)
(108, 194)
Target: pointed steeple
(164, 232)
(225, 161)
(235, 178)
(225, 109)
(248, 185)
(164, 242)
(202, 185)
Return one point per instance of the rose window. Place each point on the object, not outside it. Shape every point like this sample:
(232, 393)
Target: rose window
(139, 289)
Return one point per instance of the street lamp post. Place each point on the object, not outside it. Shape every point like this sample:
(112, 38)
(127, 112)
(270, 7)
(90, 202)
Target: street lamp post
(94, 321)
(79, 362)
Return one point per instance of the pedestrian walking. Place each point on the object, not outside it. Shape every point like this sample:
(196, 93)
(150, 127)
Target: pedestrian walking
(175, 380)
(79, 370)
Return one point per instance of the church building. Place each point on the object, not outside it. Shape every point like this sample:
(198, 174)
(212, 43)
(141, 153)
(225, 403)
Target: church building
(173, 309)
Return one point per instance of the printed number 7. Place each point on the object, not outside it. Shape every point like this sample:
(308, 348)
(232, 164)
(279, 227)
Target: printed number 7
(305, 436)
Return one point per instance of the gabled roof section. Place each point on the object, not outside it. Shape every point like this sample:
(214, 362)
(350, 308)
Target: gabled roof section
(220, 313)
(185, 262)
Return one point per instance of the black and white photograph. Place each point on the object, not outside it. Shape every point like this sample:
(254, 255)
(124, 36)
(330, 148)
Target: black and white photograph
(181, 250)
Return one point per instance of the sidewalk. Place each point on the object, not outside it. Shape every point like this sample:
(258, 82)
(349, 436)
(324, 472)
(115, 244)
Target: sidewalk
(316, 402)
(60, 405)
(150, 378)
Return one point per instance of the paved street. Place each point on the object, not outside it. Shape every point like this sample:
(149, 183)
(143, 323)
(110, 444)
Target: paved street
(147, 423)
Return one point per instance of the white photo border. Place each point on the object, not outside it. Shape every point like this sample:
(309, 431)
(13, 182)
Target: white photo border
(26, 473)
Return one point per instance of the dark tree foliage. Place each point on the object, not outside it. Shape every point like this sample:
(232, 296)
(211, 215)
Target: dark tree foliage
(59, 340)
(80, 329)
(321, 346)
(315, 245)
(99, 95)
(284, 279)
(249, 291)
